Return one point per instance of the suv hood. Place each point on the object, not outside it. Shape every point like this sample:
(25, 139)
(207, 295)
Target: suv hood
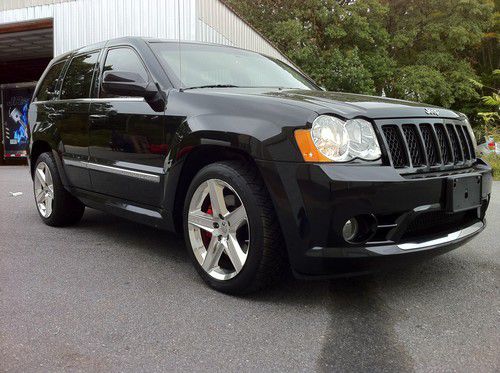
(347, 105)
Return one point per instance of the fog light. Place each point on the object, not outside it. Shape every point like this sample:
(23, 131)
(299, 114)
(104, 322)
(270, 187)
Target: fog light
(350, 229)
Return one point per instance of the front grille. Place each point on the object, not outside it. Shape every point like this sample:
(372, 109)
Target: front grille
(414, 145)
(455, 143)
(463, 140)
(396, 146)
(431, 145)
(439, 222)
(444, 144)
(418, 145)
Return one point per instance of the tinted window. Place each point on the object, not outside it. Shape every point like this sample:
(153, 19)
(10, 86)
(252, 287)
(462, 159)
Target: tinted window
(78, 78)
(123, 59)
(49, 83)
(199, 65)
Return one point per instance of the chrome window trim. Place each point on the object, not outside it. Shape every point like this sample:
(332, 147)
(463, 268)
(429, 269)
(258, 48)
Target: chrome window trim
(155, 178)
(92, 100)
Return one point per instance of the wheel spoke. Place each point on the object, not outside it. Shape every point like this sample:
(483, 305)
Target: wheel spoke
(40, 195)
(48, 176)
(48, 205)
(236, 255)
(214, 251)
(201, 220)
(237, 217)
(40, 175)
(217, 198)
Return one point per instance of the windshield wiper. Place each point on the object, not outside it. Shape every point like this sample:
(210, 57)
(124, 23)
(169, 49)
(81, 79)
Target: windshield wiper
(212, 86)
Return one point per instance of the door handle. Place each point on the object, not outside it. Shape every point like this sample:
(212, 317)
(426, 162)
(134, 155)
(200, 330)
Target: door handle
(98, 119)
(55, 116)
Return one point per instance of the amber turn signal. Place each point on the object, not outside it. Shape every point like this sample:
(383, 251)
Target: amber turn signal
(307, 148)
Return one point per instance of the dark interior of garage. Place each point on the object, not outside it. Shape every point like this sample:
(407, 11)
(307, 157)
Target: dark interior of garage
(25, 50)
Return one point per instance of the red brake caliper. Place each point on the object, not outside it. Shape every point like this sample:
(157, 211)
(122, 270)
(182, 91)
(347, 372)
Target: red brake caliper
(207, 236)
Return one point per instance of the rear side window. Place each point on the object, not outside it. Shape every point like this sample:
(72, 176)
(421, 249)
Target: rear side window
(125, 60)
(78, 77)
(47, 90)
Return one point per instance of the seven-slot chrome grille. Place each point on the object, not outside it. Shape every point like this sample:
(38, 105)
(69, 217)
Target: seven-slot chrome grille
(419, 144)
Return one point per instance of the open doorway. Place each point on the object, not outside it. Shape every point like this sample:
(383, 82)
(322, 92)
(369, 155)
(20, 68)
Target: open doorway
(25, 50)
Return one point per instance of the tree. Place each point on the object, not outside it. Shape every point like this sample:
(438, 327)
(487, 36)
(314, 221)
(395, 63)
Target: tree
(490, 112)
(424, 50)
(341, 44)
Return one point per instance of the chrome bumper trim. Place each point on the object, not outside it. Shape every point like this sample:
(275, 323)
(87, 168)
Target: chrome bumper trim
(463, 233)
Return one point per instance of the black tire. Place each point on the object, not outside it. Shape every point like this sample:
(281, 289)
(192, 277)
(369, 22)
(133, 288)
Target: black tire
(66, 209)
(266, 254)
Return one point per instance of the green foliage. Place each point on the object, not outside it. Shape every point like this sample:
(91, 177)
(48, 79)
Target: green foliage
(435, 51)
(490, 112)
(494, 162)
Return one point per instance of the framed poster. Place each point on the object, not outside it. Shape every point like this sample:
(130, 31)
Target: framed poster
(15, 99)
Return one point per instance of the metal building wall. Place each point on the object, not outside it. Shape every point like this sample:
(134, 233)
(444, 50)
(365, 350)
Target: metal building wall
(217, 23)
(84, 22)
(17, 4)
(26, 14)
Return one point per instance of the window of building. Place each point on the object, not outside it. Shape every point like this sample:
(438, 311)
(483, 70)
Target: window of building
(78, 78)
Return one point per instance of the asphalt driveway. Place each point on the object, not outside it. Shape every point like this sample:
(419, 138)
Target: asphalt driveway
(112, 295)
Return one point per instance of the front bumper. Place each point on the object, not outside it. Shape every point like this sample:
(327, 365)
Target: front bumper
(313, 201)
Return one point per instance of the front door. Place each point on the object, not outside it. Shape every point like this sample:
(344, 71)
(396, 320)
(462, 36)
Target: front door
(127, 139)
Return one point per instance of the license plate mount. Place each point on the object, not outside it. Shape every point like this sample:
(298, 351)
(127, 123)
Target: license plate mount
(463, 192)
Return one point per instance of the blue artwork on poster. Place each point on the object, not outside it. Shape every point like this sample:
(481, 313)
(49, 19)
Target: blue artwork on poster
(15, 105)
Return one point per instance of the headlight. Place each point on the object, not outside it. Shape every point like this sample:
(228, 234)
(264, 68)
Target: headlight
(332, 139)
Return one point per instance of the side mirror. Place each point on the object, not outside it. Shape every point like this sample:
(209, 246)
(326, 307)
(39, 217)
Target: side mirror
(124, 83)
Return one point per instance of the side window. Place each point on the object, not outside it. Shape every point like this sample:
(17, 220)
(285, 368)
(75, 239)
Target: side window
(47, 90)
(78, 78)
(123, 59)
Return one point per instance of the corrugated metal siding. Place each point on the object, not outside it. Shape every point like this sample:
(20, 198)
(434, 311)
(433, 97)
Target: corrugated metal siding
(26, 14)
(216, 23)
(82, 22)
(18, 4)
(85, 22)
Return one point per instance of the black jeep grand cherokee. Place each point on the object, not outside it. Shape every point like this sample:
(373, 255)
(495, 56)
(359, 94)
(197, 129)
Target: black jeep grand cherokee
(251, 160)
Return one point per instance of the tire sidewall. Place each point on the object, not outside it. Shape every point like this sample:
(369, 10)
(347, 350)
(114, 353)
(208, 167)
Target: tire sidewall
(65, 208)
(248, 273)
(47, 159)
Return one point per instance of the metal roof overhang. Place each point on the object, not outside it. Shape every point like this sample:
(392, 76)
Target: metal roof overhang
(26, 40)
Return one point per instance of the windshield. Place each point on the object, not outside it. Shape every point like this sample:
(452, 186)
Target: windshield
(198, 65)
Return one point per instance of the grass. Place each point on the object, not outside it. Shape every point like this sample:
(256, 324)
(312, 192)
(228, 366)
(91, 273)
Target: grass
(494, 161)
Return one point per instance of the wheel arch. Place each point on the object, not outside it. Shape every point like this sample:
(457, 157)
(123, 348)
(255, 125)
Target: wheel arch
(198, 157)
(37, 148)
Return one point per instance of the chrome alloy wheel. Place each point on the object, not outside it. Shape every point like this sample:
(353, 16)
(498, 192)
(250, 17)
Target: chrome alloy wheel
(44, 189)
(218, 228)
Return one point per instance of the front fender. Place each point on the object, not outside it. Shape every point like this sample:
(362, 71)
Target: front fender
(261, 139)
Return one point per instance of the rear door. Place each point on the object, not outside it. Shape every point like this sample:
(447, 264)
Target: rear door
(72, 117)
(127, 137)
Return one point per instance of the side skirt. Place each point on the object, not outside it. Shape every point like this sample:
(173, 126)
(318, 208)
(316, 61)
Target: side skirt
(148, 215)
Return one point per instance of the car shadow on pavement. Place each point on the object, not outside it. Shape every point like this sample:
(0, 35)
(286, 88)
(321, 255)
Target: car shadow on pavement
(170, 248)
(287, 290)
(130, 234)
(364, 313)
(368, 313)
